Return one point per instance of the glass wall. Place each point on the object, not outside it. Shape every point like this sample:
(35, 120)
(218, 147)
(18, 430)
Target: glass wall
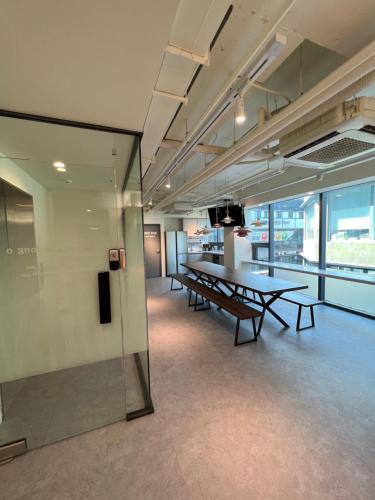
(66, 309)
(257, 219)
(351, 228)
(350, 244)
(133, 287)
(296, 230)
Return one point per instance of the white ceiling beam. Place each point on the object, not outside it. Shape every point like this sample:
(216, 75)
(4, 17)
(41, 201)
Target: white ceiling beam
(188, 54)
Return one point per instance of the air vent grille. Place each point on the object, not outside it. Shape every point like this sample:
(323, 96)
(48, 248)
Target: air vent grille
(339, 150)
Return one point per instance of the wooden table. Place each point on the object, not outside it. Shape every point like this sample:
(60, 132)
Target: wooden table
(268, 289)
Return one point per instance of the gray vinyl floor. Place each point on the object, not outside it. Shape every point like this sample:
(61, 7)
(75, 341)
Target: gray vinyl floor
(46, 408)
(290, 417)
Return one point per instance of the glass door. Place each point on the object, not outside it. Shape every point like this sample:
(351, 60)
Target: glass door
(61, 338)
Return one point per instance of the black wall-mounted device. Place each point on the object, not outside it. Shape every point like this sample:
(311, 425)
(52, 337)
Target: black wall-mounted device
(104, 298)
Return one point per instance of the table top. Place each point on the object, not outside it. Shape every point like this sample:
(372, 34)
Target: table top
(368, 279)
(264, 285)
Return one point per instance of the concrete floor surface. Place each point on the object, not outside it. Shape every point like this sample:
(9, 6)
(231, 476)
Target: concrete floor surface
(290, 417)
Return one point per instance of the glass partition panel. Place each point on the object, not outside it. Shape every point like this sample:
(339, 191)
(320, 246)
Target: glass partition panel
(305, 279)
(356, 296)
(133, 288)
(61, 295)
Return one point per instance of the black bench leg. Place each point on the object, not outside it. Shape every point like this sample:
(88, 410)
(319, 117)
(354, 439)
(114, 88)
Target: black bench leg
(191, 304)
(196, 303)
(298, 327)
(180, 288)
(238, 331)
(299, 318)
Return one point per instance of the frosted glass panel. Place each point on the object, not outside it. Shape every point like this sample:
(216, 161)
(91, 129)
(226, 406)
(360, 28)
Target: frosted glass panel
(353, 295)
(304, 279)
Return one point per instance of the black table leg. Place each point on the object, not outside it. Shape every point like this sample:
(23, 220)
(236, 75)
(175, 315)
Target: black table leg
(266, 307)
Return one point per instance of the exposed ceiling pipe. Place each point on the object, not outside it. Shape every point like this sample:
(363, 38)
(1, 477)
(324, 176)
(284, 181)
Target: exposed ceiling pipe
(331, 88)
(309, 178)
(218, 107)
(262, 176)
(260, 86)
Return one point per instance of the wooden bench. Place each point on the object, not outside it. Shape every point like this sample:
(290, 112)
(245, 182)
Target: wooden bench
(238, 309)
(302, 300)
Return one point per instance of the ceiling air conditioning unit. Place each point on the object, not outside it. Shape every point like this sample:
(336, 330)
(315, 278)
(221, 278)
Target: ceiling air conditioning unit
(182, 207)
(344, 133)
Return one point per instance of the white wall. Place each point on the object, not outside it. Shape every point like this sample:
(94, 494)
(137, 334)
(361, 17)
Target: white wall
(236, 249)
(57, 324)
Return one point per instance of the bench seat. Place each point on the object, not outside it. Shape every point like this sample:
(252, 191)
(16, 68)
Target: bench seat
(238, 309)
(302, 300)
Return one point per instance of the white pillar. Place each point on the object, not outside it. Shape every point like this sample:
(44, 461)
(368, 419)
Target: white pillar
(236, 249)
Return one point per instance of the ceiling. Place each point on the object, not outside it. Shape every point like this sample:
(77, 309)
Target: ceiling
(319, 41)
(92, 61)
(101, 62)
(93, 159)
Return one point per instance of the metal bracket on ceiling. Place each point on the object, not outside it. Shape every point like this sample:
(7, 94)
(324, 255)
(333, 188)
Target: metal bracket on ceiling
(188, 54)
(175, 97)
(199, 148)
(149, 160)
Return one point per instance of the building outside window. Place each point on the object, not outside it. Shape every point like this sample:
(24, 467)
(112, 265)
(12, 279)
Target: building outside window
(351, 228)
(296, 230)
(259, 236)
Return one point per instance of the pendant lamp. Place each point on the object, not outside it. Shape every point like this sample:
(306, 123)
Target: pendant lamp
(227, 219)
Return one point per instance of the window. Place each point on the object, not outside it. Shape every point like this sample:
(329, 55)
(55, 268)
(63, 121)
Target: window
(296, 233)
(259, 235)
(351, 228)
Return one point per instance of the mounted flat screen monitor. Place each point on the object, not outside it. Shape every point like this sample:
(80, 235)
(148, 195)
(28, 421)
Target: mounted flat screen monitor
(234, 211)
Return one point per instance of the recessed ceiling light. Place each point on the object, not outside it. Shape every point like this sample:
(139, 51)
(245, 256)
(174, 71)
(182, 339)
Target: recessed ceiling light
(59, 164)
(68, 181)
(168, 183)
(88, 210)
(61, 169)
(150, 202)
(94, 228)
(310, 192)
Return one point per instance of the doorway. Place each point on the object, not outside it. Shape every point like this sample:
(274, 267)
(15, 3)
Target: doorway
(152, 250)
